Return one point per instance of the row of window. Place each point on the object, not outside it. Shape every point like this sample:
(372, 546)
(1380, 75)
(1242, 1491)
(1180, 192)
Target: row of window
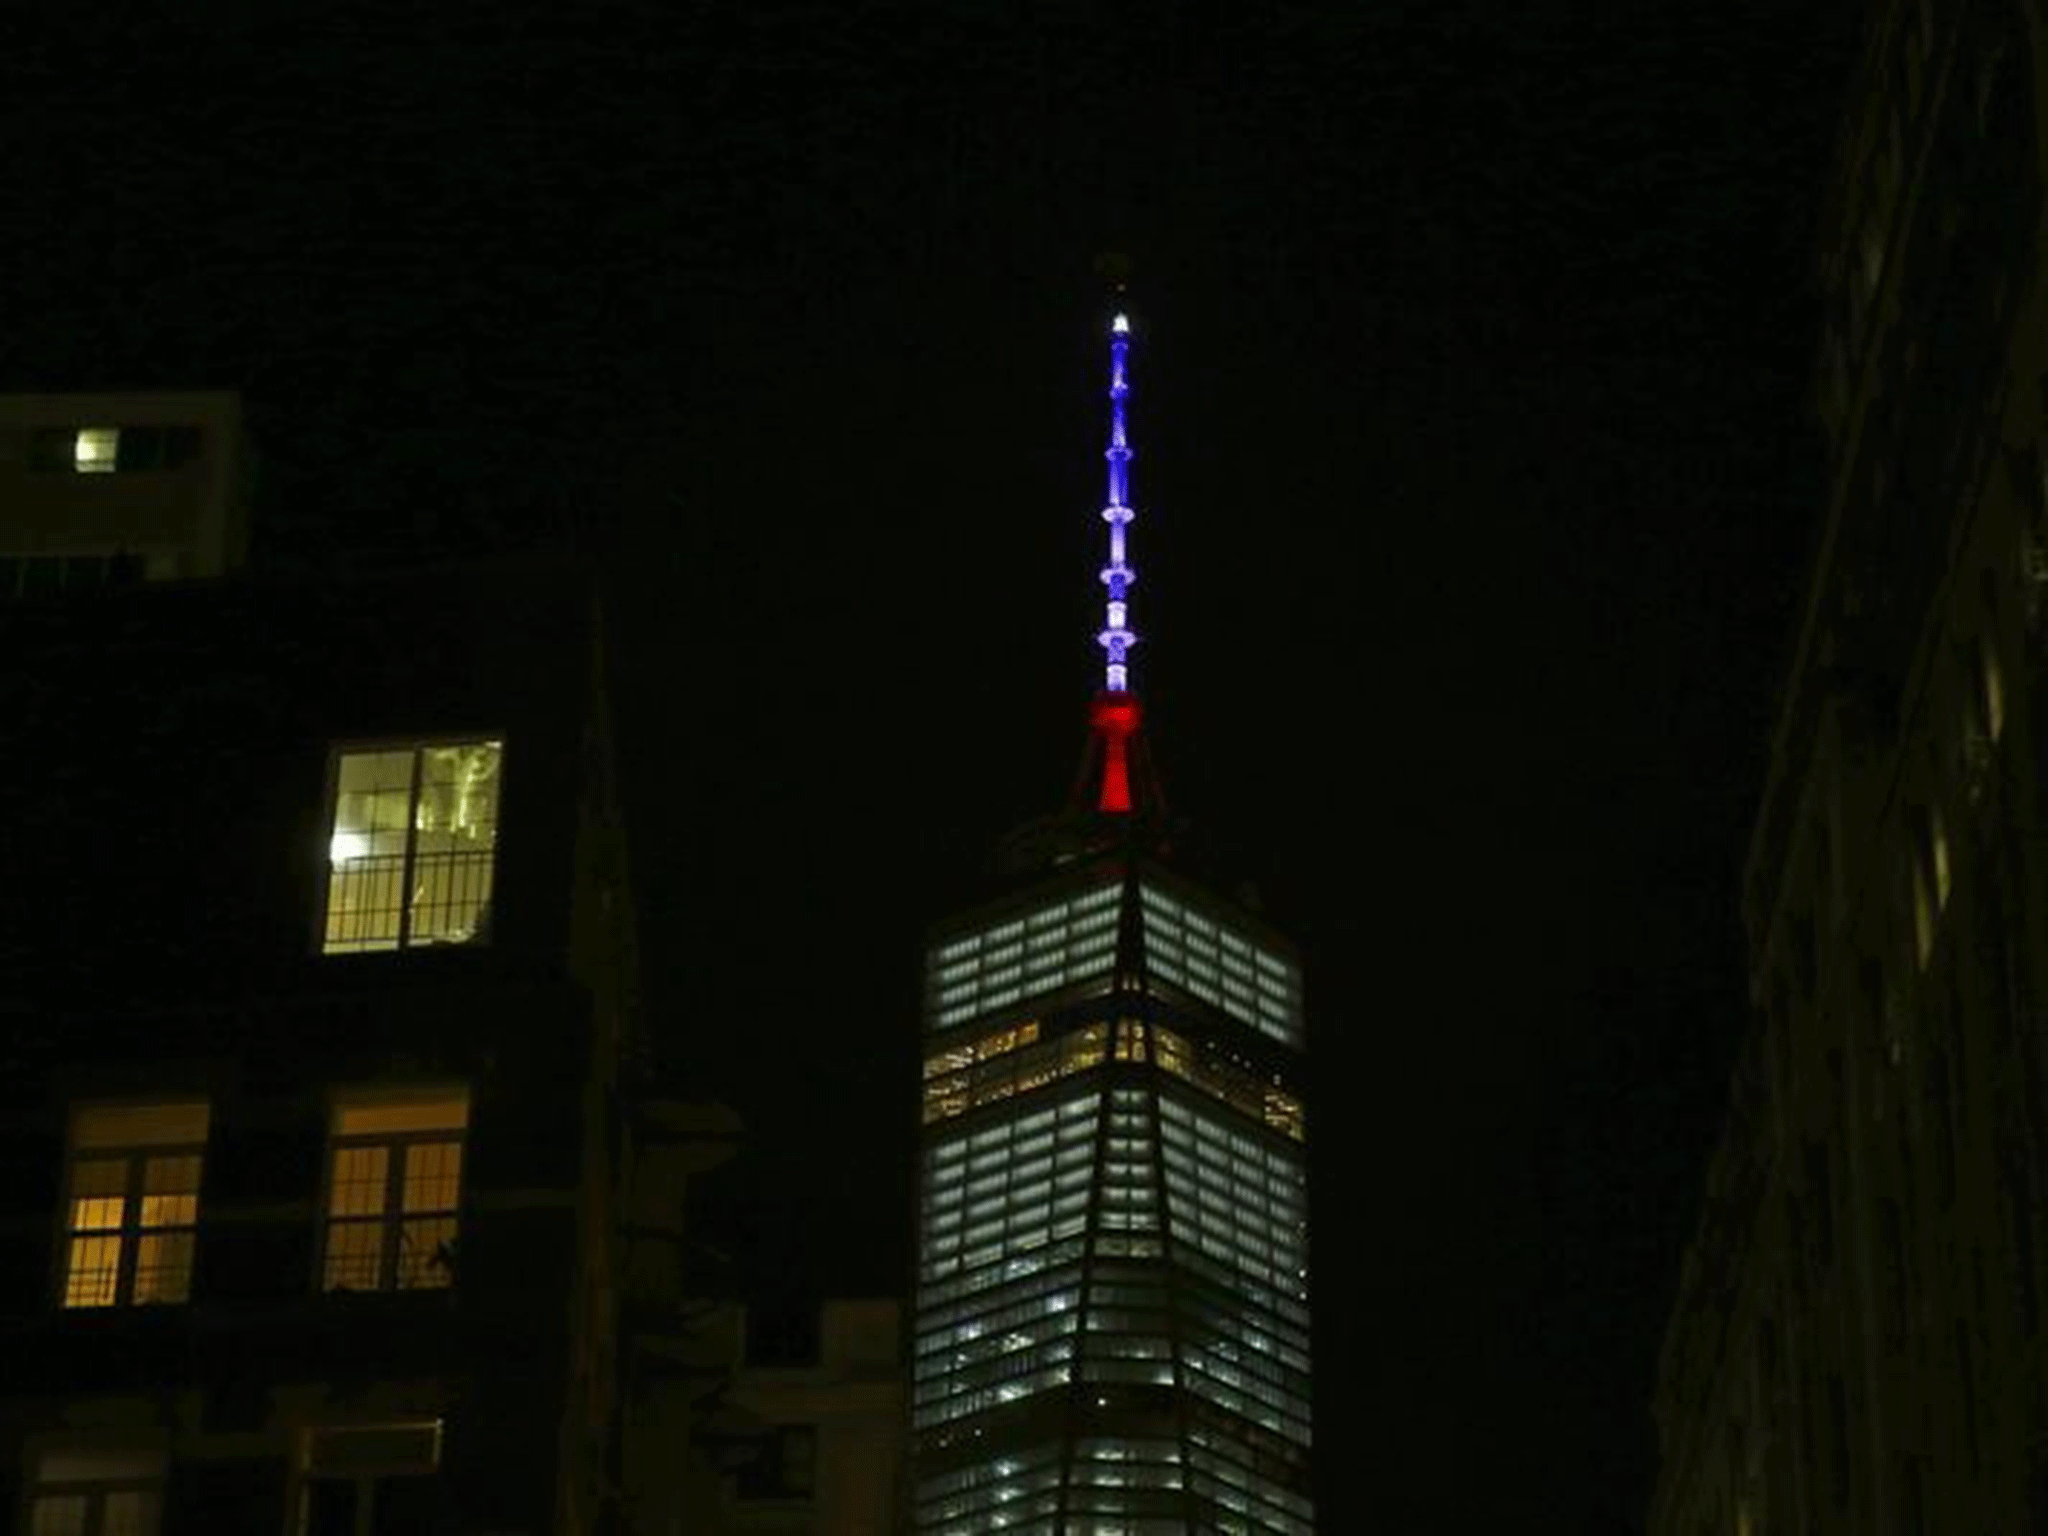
(1057, 944)
(1136, 1483)
(355, 1480)
(34, 576)
(1071, 940)
(389, 1212)
(106, 450)
(1224, 969)
(1014, 1060)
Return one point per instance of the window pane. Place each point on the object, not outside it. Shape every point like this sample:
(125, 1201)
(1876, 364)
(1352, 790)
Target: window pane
(361, 1176)
(330, 1508)
(439, 1110)
(355, 1256)
(141, 1125)
(433, 1173)
(456, 829)
(96, 450)
(61, 1514)
(92, 1270)
(170, 1191)
(424, 1256)
(129, 1513)
(366, 849)
(163, 1268)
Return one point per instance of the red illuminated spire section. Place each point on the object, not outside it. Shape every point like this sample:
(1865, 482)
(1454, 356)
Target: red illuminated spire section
(1115, 720)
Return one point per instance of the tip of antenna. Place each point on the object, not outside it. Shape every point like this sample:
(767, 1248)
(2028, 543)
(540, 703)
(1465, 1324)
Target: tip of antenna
(1121, 325)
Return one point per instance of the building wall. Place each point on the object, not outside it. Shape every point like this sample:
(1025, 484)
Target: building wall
(1856, 1343)
(810, 1446)
(162, 899)
(168, 487)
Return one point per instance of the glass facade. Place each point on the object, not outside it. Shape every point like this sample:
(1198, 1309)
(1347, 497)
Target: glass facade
(1112, 1291)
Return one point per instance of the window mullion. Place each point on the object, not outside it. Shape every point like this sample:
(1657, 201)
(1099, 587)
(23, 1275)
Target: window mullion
(412, 822)
(394, 1216)
(130, 1236)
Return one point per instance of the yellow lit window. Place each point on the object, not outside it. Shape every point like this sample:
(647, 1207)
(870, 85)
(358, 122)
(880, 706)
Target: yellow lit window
(132, 1209)
(394, 1185)
(411, 846)
(96, 1493)
(96, 450)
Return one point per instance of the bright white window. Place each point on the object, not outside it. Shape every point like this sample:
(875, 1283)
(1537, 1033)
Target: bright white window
(411, 846)
(132, 1208)
(394, 1186)
(96, 450)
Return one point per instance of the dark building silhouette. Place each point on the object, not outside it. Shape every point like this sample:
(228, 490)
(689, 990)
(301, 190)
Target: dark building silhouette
(1857, 1343)
(334, 1197)
(1111, 1318)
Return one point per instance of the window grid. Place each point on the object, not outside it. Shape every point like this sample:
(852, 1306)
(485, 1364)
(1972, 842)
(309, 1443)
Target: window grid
(132, 1212)
(1019, 1066)
(392, 1202)
(96, 1493)
(1266, 1102)
(1210, 961)
(1057, 944)
(412, 847)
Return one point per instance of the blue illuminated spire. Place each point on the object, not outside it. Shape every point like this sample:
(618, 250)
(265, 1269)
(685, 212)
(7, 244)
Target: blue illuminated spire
(1117, 637)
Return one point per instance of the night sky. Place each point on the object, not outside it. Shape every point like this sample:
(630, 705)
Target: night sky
(1476, 482)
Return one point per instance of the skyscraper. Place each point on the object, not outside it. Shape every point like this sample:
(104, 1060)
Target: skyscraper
(1112, 1327)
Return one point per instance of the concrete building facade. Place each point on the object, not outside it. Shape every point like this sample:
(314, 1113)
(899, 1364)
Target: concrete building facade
(1858, 1338)
(107, 490)
(334, 1198)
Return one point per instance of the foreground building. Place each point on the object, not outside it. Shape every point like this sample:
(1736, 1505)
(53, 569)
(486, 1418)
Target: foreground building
(332, 1198)
(1858, 1342)
(1112, 1325)
(806, 1436)
(110, 490)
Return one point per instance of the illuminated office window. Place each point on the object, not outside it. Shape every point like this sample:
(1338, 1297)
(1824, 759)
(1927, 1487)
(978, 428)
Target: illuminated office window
(411, 846)
(394, 1185)
(1212, 961)
(96, 450)
(133, 1204)
(370, 1479)
(1057, 944)
(89, 1492)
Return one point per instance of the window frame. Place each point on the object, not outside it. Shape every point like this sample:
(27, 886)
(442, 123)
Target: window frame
(403, 941)
(392, 1217)
(367, 1477)
(148, 1474)
(135, 1158)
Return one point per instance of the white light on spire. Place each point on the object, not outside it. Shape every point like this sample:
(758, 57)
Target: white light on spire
(1121, 325)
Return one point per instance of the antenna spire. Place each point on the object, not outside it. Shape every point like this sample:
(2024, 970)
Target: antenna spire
(1117, 637)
